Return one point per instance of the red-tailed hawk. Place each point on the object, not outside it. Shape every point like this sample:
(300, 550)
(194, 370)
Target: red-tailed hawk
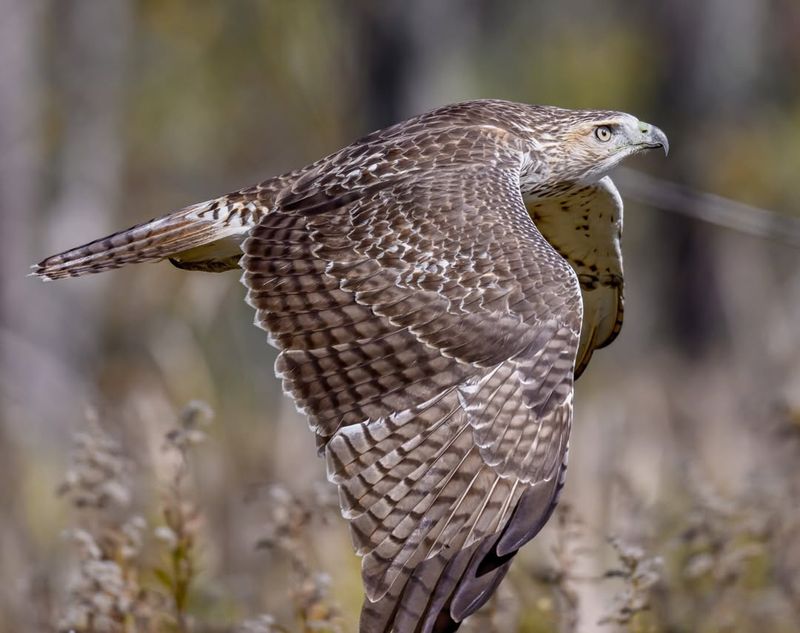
(434, 289)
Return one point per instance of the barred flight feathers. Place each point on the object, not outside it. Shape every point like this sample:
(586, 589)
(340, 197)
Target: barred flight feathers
(429, 332)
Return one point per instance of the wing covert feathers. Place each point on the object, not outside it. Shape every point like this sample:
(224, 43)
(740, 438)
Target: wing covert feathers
(429, 333)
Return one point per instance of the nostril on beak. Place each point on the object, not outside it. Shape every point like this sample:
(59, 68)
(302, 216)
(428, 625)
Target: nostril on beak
(653, 137)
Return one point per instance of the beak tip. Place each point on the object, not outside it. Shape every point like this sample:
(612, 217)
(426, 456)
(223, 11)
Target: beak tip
(659, 139)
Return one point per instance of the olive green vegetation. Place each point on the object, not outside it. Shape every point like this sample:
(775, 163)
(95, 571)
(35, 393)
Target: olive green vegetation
(682, 508)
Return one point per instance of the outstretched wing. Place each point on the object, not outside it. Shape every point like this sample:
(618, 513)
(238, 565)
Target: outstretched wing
(429, 332)
(585, 227)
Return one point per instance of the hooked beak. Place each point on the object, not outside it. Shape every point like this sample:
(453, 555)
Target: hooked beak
(653, 138)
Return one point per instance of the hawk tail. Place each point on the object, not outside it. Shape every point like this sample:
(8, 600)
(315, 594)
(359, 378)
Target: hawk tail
(204, 236)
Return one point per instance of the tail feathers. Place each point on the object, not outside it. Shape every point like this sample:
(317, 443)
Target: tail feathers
(203, 236)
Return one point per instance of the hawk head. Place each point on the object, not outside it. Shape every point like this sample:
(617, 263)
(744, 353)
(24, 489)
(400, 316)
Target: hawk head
(582, 146)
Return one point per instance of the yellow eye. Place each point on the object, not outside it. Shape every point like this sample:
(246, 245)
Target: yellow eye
(603, 133)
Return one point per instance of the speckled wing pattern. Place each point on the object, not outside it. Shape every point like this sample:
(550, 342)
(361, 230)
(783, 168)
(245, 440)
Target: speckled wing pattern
(429, 332)
(585, 227)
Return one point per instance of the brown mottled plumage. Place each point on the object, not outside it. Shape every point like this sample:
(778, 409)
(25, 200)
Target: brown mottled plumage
(429, 329)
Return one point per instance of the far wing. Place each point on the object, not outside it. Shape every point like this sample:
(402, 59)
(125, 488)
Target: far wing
(585, 227)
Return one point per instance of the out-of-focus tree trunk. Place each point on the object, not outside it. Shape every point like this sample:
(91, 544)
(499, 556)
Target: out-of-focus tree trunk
(90, 77)
(714, 56)
(409, 62)
(20, 30)
(49, 331)
(19, 159)
(89, 80)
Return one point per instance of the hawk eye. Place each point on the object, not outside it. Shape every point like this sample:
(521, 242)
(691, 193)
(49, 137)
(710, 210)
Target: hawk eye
(603, 133)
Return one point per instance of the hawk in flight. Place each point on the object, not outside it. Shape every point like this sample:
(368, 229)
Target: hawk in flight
(434, 289)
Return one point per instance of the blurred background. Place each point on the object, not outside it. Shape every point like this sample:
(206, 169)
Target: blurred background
(684, 483)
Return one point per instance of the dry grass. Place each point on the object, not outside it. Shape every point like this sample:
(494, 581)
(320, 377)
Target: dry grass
(145, 551)
(134, 575)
